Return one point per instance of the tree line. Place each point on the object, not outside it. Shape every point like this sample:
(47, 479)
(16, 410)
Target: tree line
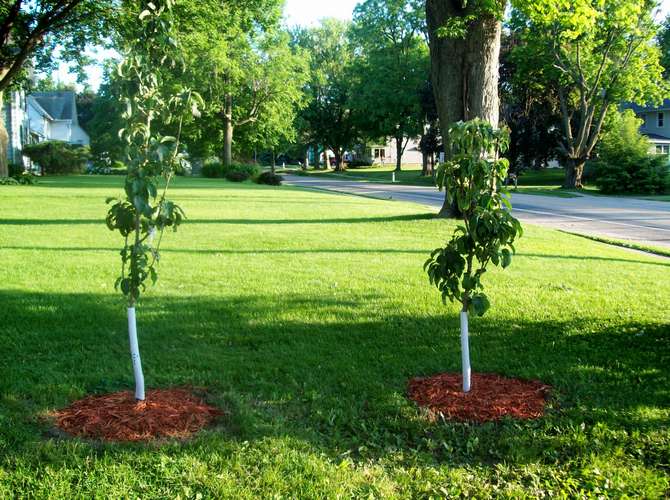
(554, 73)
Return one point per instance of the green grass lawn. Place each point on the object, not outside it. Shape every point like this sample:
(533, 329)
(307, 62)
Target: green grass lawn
(305, 314)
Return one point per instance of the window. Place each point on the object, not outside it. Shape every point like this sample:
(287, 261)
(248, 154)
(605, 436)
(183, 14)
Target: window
(661, 120)
(380, 153)
(663, 149)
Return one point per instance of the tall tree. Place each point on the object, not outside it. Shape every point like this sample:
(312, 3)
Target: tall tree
(243, 65)
(329, 114)
(465, 51)
(392, 69)
(595, 54)
(663, 40)
(31, 31)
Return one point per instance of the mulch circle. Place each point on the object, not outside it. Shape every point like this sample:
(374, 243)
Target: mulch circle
(173, 413)
(492, 397)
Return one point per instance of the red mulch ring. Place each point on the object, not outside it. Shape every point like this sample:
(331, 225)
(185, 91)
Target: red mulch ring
(492, 397)
(174, 413)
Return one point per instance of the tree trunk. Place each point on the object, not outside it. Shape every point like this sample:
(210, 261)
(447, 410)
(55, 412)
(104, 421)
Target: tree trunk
(274, 162)
(4, 141)
(135, 355)
(424, 167)
(398, 151)
(573, 173)
(465, 71)
(465, 352)
(228, 132)
(338, 160)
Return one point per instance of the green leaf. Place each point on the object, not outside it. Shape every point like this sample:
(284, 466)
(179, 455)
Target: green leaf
(479, 304)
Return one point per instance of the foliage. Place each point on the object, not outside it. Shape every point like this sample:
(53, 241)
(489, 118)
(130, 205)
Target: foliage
(473, 179)
(531, 108)
(212, 168)
(8, 181)
(32, 31)
(329, 118)
(624, 163)
(57, 157)
(663, 40)
(595, 54)
(246, 169)
(365, 163)
(239, 58)
(152, 157)
(270, 179)
(392, 69)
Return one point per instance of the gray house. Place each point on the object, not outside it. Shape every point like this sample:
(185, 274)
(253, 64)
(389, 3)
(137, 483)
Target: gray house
(655, 126)
(42, 116)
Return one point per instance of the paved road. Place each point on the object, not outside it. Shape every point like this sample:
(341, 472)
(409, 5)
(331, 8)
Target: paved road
(638, 221)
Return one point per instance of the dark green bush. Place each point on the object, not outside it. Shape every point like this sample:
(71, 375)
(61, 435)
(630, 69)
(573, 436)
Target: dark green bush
(624, 163)
(360, 164)
(237, 176)
(57, 157)
(647, 175)
(16, 169)
(8, 181)
(270, 179)
(212, 168)
(251, 170)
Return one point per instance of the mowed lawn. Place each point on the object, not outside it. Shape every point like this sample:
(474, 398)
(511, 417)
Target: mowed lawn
(304, 314)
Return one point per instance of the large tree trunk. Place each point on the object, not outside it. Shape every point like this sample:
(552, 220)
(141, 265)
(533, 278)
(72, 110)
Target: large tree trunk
(228, 130)
(398, 153)
(339, 167)
(465, 71)
(424, 164)
(574, 171)
(4, 141)
(274, 162)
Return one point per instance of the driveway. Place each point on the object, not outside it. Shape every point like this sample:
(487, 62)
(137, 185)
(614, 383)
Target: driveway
(637, 221)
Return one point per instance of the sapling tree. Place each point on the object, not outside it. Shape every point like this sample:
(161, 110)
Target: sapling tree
(152, 157)
(473, 178)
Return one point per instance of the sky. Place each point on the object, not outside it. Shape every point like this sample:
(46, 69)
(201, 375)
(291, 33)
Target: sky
(297, 12)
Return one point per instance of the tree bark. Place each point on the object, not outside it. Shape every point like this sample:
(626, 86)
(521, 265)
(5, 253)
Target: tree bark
(424, 164)
(274, 162)
(4, 141)
(465, 71)
(228, 132)
(338, 160)
(573, 173)
(399, 149)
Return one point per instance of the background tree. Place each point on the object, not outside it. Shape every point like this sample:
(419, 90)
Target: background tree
(392, 70)
(431, 137)
(473, 178)
(530, 108)
(243, 65)
(30, 32)
(329, 114)
(663, 40)
(596, 54)
(465, 51)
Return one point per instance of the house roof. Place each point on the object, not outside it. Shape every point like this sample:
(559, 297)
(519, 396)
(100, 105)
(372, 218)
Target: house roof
(59, 105)
(656, 138)
(637, 108)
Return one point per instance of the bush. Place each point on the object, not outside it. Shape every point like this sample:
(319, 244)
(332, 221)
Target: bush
(624, 163)
(212, 168)
(57, 157)
(648, 175)
(270, 179)
(236, 172)
(8, 181)
(360, 164)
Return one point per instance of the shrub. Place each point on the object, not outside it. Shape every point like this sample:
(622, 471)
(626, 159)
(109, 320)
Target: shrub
(212, 168)
(57, 157)
(251, 170)
(360, 164)
(648, 175)
(624, 163)
(15, 169)
(8, 181)
(270, 179)
(237, 176)
(26, 178)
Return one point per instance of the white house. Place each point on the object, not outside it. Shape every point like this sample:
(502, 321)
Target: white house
(42, 116)
(655, 126)
(387, 153)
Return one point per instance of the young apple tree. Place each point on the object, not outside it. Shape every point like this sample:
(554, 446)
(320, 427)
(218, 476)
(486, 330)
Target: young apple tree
(152, 158)
(473, 178)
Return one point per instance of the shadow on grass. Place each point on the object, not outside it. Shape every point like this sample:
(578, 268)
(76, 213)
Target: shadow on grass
(329, 372)
(349, 220)
(279, 251)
